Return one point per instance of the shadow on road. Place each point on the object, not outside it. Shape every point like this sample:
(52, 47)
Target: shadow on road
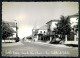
(72, 45)
(69, 45)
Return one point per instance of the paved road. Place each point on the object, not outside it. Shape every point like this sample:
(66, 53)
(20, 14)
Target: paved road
(37, 49)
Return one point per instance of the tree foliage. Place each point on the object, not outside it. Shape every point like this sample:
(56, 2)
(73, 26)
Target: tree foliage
(64, 26)
(6, 30)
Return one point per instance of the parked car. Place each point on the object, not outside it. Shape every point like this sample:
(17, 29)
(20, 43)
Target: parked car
(56, 40)
(62, 42)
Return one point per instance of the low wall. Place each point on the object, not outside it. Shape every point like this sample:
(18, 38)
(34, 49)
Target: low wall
(71, 42)
(8, 40)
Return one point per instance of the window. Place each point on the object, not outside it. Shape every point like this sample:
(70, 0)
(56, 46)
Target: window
(44, 31)
(40, 31)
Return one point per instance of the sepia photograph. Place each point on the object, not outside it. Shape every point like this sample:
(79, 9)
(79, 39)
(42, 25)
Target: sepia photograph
(40, 29)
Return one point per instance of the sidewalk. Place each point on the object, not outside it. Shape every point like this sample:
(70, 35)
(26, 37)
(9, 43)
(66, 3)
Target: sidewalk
(51, 45)
(11, 44)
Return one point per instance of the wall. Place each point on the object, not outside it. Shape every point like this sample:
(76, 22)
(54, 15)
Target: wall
(73, 21)
(53, 25)
(49, 25)
(14, 34)
(14, 28)
(42, 31)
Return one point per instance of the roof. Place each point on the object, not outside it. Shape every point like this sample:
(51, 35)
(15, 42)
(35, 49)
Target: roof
(12, 24)
(77, 14)
(52, 21)
(35, 27)
(44, 27)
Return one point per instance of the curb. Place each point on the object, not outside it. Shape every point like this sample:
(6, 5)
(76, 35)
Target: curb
(11, 44)
(51, 45)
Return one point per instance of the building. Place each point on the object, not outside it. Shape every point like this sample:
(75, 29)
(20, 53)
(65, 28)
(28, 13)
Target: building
(39, 32)
(51, 25)
(34, 33)
(74, 19)
(13, 25)
(75, 33)
(42, 31)
(14, 28)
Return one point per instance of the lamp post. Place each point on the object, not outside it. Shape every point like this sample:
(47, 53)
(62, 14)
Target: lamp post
(16, 30)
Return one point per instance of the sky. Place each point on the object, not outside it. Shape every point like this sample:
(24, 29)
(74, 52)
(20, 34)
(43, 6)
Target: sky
(29, 15)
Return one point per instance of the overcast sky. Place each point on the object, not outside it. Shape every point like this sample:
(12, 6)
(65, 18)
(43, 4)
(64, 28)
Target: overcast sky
(30, 14)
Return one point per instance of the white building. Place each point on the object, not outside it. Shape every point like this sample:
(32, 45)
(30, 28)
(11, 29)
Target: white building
(74, 22)
(42, 30)
(13, 26)
(51, 25)
(37, 33)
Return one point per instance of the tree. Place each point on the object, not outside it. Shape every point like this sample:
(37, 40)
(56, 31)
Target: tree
(63, 26)
(6, 30)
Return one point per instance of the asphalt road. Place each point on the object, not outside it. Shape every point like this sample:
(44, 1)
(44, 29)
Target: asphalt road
(37, 49)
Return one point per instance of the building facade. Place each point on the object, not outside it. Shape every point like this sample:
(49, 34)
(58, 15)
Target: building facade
(38, 33)
(13, 25)
(51, 25)
(75, 33)
(42, 31)
(14, 28)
